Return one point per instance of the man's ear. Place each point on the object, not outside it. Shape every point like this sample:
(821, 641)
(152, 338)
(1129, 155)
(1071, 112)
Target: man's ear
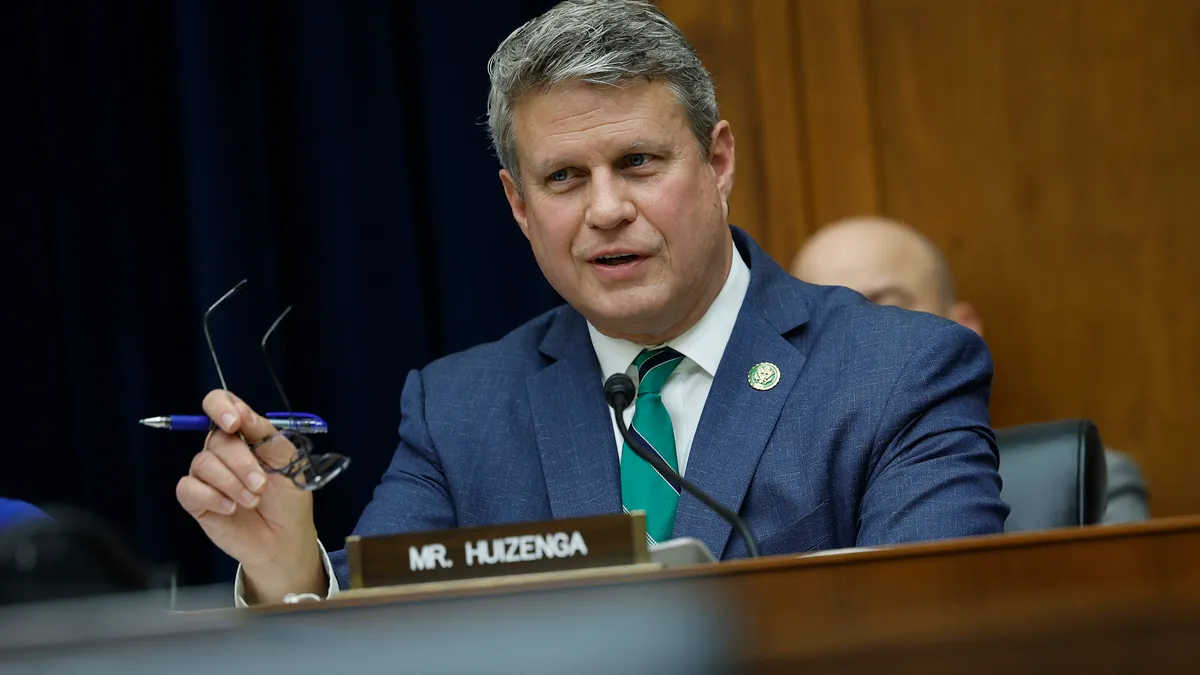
(515, 201)
(721, 159)
(965, 314)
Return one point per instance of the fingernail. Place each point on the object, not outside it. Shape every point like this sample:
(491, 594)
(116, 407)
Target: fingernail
(249, 499)
(256, 481)
(227, 420)
(228, 507)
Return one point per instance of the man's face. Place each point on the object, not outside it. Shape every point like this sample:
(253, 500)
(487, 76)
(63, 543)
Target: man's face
(626, 217)
(882, 262)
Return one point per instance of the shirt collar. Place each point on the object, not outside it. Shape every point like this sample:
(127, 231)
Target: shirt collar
(703, 343)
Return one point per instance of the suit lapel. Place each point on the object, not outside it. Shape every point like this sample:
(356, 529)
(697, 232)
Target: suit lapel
(738, 420)
(573, 424)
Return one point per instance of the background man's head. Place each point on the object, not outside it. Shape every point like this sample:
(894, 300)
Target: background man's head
(615, 163)
(887, 261)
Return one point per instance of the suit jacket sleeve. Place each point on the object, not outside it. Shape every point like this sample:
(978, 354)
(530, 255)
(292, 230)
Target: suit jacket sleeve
(413, 494)
(935, 461)
(1127, 501)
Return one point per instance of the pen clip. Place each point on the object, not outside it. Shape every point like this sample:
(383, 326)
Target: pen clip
(305, 423)
(299, 416)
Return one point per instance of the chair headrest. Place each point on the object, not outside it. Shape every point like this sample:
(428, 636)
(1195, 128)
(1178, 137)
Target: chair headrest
(1054, 474)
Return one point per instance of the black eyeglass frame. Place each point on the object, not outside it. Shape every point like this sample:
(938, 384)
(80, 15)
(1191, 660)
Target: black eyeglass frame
(307, 470)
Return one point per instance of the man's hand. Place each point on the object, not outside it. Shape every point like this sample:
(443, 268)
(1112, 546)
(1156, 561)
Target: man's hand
(261, 519)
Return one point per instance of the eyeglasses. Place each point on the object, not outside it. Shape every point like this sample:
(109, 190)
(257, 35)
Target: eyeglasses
(307, 470)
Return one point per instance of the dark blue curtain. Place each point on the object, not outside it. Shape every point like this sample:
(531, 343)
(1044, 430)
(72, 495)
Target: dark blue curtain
(332, 153)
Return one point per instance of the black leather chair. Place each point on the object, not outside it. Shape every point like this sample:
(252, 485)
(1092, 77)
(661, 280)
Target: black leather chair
(1054, 474)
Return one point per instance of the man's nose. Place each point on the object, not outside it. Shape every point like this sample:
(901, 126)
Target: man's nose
(610, 204)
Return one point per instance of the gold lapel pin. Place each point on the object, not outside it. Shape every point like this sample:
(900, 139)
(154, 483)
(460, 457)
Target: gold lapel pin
(763, 376)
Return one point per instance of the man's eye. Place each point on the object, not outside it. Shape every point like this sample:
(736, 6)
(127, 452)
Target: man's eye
(560, 176)
(638, 159)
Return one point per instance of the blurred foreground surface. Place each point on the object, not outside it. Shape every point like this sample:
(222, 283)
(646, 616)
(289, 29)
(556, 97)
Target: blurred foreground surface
(635, 630)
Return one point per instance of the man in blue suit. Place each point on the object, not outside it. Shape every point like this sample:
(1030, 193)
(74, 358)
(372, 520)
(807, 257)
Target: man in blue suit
(824, 420)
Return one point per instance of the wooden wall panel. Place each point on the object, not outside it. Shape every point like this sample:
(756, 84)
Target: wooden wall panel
(748, 48)
(1050, 147)
(841, 139)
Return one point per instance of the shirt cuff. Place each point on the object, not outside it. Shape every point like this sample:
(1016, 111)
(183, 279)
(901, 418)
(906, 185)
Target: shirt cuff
(239, 587)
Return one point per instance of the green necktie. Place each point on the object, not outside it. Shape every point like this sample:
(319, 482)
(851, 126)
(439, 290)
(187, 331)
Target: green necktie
(642, 487)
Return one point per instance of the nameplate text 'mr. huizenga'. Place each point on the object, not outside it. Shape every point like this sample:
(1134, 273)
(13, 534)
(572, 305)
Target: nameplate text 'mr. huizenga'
(497, 550)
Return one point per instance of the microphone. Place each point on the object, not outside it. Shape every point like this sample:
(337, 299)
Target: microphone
(619, 391)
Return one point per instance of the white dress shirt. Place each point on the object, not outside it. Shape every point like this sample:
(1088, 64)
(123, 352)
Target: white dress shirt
(683, 395)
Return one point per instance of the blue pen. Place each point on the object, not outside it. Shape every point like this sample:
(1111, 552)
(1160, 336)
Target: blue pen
(305, 423)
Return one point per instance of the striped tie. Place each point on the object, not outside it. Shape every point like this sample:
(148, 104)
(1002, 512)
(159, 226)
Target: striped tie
(642, 487)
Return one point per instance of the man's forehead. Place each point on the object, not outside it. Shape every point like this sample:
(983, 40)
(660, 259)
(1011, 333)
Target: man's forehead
(852, 262)
(549, 156)
(867, 245)
(588, 118)
(864, 273)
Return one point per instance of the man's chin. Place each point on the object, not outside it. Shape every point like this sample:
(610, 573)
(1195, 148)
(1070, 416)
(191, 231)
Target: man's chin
(628, 316)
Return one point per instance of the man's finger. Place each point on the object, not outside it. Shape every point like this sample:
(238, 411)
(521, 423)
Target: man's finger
(211, 470)
(199, 499)
(221, 408)
(238, 457)
(276, 452)
(232, 415)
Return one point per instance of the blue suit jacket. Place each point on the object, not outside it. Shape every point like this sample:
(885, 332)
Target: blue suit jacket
(877, 432)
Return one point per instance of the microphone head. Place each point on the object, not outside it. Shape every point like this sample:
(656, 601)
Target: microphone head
(619, 390)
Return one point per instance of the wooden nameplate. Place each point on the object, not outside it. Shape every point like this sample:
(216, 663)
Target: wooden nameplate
(497, 550)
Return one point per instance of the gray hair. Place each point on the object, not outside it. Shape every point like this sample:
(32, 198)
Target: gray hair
(604, 42)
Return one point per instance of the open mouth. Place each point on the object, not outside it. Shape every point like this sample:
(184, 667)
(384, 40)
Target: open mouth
(617, 259)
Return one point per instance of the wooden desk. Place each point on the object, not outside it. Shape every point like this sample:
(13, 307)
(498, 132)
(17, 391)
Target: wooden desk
(1108, 599)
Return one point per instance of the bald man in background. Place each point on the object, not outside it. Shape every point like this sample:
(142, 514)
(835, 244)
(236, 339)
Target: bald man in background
(892, 264)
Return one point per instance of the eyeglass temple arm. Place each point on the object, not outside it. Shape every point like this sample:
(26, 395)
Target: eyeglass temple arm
(208, 335)
(271, 369)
